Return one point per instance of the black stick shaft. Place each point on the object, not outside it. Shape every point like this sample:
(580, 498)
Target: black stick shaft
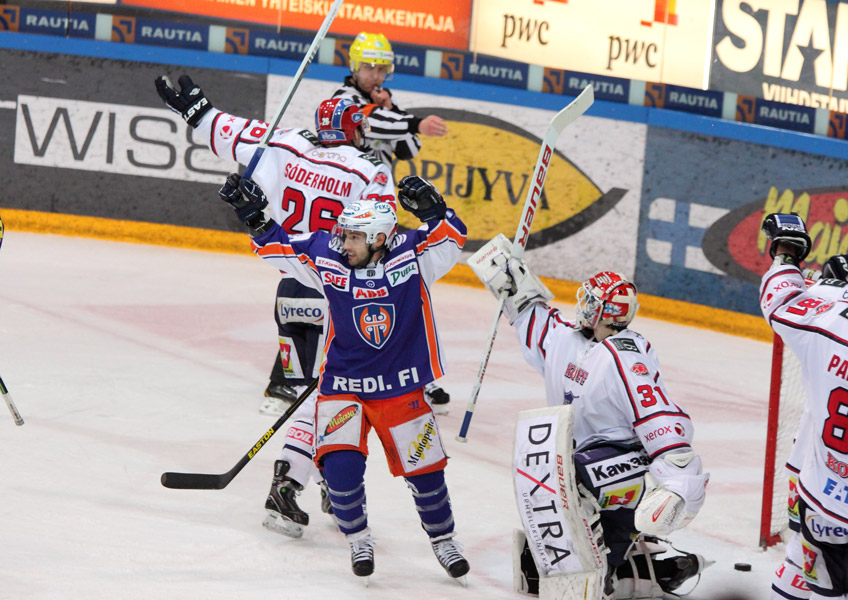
(210, 481)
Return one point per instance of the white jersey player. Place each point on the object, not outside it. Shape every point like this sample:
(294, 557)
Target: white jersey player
(815, 327)
(624, 414)
(309, 179)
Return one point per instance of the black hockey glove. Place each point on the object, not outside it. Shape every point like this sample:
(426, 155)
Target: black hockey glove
(189, 102)
(789, 230)
(836, 267)
(421, 198)
(248, 200)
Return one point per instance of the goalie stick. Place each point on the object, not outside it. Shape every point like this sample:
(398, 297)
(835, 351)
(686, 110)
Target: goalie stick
(209, 481)
(298, 76)
(560, 121)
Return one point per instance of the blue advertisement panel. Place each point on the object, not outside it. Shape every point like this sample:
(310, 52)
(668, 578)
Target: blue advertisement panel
(57, 22)
(703, 200)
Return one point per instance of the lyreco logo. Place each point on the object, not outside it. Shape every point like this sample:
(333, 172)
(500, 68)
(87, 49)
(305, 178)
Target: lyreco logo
(826, 532)
(111, 138)
(398, 276)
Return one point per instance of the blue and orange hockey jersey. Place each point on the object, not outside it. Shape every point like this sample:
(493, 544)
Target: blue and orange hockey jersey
(381, 335)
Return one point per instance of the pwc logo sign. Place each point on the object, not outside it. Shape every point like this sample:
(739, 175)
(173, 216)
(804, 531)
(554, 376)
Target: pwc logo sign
(735, 244)
(374, 323)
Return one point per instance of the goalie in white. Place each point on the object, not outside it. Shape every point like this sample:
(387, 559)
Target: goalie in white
(633, 448)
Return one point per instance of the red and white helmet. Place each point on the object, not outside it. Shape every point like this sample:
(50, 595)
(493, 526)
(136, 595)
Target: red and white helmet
(336, 121)
(370, 218)
(606, 299)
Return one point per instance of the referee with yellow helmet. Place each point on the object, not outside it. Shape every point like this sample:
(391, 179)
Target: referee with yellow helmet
(393, 132)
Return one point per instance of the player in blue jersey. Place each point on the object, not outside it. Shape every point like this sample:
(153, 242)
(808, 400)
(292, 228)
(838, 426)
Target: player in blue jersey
(381, 349)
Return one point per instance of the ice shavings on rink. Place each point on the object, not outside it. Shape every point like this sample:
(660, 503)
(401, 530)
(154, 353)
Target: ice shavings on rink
(129, 360)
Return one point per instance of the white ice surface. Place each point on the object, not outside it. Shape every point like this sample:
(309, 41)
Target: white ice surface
(129, 360)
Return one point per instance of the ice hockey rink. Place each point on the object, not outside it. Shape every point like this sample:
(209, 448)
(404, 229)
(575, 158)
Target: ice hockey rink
(127, 360)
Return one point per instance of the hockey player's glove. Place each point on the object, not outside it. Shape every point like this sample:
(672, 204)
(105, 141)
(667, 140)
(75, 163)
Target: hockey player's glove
(836, 267)
(248, 200)
(421, 198)
(788, 230)
(189, 102)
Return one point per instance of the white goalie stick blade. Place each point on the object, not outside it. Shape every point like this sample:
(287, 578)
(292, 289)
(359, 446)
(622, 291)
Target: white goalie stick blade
(561, 120)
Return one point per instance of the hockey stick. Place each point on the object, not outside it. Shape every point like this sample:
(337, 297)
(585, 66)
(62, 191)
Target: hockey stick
(8, 398)
(209, 481)
(560, 121)
(301, 71)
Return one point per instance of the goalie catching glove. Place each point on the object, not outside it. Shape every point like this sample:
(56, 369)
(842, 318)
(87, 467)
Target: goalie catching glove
(248, 200)
(790, 231)
(498, 272)
(678, 496)
(189, 102)
(421, 198)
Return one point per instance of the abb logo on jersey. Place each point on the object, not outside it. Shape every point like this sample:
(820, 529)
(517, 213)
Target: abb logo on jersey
(359, 292)
(340, 282)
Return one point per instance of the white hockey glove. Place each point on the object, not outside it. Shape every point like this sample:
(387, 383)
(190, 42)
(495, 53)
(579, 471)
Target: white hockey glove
(678, 496)
(498, 272)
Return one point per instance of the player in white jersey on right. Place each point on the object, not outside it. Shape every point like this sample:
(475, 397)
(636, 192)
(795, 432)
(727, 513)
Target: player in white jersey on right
(815, 327)
(788, 583)
(309, 178)
(633, 448)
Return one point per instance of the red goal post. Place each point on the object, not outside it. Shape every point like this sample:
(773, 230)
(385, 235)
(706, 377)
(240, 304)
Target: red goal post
(786, 405)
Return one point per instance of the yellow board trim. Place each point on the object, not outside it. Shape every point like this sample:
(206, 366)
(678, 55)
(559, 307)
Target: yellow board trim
(654, 307)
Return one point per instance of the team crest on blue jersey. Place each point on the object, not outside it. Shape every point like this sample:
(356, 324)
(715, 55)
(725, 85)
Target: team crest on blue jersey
(374, 322)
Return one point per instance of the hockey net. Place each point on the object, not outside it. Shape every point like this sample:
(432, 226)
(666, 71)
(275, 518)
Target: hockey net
(786, 404)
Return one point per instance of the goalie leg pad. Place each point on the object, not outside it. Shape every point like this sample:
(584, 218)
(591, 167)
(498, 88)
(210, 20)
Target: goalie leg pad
(561, 524)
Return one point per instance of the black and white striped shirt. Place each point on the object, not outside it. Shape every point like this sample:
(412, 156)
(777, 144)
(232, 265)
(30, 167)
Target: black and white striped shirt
(393, 131)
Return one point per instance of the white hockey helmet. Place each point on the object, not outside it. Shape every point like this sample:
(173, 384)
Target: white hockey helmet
(369, 217)
(607, 298)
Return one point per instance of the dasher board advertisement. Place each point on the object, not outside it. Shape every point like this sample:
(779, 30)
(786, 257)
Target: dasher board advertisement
(650, 40)
(792, 51)
(434, 24)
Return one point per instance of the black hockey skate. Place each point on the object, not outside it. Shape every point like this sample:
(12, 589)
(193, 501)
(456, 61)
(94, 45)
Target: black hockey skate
(438, 398)
(278, 397)
(672, 572)
(450, 557)
(284, 515)
(361, 552)
(667, 574)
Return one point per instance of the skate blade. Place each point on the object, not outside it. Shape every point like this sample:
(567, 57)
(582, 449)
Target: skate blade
(440, 409)
(462, 580)
(273, 407)
(278, 524)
